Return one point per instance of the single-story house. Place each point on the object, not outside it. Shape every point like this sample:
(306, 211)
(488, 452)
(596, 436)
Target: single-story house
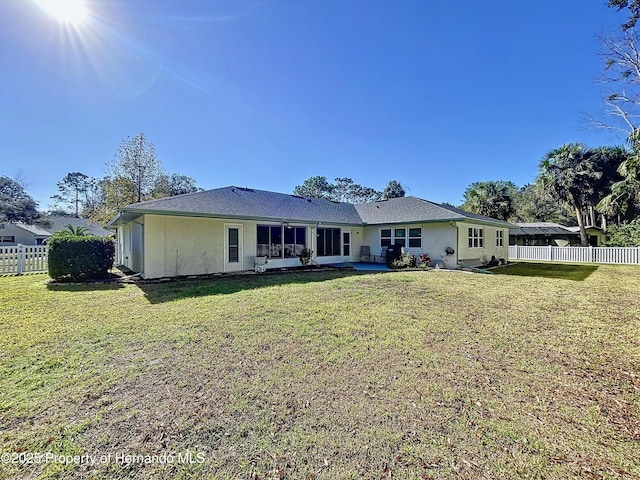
(554, 234)
(225, 229)
(60, 223)
(597, 237)
(12, 234)
(21, 233)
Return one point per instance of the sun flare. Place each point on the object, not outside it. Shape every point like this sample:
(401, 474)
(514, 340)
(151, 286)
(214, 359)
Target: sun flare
(73, 12)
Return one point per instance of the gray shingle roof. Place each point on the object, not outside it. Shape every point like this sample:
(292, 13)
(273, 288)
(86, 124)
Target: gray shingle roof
(476, 216)
(236, 202)
(34, 229)
(239, 202)
(60, 223)
(404, 210)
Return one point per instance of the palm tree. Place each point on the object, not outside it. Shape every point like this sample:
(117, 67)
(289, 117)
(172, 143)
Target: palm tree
(569, 174)
(71, 231)
(624, 195)
(494, 198)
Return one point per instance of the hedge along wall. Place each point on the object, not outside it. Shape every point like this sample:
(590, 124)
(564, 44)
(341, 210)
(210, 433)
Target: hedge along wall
(80, 257)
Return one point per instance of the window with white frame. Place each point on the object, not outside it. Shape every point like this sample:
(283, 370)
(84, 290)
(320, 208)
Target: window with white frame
(400, 237)
(7, 239)
(476, 237)
(499, 238)
(385, 237)
(415, 237)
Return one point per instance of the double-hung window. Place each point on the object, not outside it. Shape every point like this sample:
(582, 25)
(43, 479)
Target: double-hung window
(499, 238)
(385, 237)
(415, 237)
(476, 237)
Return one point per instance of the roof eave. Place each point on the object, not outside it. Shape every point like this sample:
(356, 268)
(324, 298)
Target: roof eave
(496, 223)
(413, 222)
(229, 216)
(118, 220)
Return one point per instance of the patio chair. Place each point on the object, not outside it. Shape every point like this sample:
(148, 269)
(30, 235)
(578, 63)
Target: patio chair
(365, 253)
(382, 258)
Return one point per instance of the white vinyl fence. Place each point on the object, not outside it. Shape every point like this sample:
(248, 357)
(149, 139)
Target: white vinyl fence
(621, 255)
(21, 259)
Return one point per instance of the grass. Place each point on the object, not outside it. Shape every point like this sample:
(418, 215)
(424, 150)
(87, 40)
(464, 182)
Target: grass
(549, 270)
(533, 372)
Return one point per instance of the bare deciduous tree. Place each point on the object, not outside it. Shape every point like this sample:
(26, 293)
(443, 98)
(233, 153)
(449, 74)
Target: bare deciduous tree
(621, 75)
(136, 162)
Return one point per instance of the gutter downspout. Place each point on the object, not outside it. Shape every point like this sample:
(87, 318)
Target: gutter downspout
(455, 225)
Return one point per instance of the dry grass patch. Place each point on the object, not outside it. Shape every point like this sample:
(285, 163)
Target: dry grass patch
(330, 375)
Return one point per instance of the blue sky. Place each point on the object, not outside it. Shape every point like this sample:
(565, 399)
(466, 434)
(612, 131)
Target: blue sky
(265, 94)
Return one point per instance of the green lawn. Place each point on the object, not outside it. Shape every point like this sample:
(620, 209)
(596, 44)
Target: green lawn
(532, 372)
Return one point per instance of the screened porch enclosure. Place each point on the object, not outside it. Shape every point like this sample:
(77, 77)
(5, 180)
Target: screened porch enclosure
(280, 241)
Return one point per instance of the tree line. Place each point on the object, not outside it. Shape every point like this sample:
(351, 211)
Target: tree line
(576, 185)
(346, 190)
(134, 175)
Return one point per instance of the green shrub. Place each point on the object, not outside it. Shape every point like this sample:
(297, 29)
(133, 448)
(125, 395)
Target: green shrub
(80, 257)
(624, 235)
(406, 260)
(423, 260)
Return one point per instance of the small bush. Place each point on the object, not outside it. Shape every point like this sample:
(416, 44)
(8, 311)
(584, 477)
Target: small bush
(80, 257)
(424, 260)
(406, 260)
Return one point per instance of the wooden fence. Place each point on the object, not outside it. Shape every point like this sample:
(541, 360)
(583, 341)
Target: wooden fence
(619, 255)
(21, 259)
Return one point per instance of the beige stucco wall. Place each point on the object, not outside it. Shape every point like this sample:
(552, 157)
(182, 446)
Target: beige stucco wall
(176, 246)
(436, 237)
(489, 248)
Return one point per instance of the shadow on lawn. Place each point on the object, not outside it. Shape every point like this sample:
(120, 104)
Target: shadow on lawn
(578, 273)
(83, 287)
(160, 292)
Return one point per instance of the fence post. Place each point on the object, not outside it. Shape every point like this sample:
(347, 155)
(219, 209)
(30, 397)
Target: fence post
(591, 254)
(20, 259)
(550, 255)
(518, 253)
